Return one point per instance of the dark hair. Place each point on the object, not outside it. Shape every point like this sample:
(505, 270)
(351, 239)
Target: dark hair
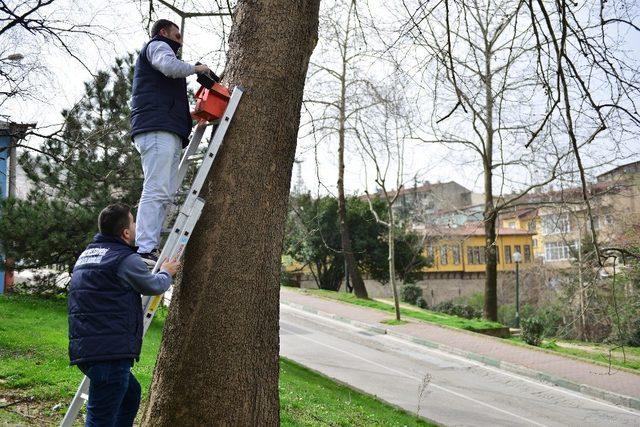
(161, 24)
(113, 219)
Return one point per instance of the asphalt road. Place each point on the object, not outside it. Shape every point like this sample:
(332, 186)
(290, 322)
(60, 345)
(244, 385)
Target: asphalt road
(448, 389)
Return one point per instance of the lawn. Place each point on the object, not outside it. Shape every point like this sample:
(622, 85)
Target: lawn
(414, 313)
(34, 366)
(592, 352)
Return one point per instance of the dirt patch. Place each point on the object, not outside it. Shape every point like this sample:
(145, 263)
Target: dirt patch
(21, 410)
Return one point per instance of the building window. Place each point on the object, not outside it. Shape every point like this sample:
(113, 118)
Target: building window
(475, 255)
(430, 252)
(507, 254)
(556, 251)
(554, 224)
(512, 224)
(527, 253)
(601, 221)
(443, 255)
(535, 243)
(455, 252)
(531, 226)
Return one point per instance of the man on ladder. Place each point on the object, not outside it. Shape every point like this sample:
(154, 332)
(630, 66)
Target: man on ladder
(106, 319)
(160, 128)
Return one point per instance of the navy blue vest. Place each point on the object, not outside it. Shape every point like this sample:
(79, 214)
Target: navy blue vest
(105, 315)
(158, 102)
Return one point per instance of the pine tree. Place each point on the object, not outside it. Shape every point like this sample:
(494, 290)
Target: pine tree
(90, 164)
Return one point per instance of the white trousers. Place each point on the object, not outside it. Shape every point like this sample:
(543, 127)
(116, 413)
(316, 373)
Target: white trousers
(160, 153)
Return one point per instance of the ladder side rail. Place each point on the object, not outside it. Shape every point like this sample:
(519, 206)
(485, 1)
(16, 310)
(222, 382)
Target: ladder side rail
(218, 137)
(177, 251)
(78, 401)
(191, 149)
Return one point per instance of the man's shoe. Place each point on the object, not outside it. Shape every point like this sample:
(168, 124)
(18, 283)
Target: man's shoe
(151, 258)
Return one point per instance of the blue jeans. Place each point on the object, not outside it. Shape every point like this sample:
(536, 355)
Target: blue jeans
(160, 154)
(114, 393)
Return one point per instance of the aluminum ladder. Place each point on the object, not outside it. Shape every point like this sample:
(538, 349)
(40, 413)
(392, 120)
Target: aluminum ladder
(187, 217)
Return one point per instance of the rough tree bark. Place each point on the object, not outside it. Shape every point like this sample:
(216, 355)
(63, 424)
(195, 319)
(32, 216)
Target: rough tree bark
(345, 236)
(218, 362)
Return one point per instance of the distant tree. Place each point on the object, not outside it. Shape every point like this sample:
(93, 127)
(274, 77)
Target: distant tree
(336, 82)
(76, 173)
(313, 239)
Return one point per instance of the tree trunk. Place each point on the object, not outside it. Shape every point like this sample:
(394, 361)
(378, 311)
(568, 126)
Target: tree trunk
(218, 362)
(490, 213)
(392, 264)
(491, 270)
(350, 261)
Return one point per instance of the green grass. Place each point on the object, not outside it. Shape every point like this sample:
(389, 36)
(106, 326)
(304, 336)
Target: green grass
(591, 352)
(394, 322)
(34, 362)
(419, 314)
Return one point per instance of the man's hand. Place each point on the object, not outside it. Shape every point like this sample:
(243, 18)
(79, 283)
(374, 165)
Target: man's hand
(202, 69)
(171, 266)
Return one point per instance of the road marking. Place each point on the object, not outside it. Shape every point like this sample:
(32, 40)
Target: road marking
(465, 360)
(419, 380)
(515, 376)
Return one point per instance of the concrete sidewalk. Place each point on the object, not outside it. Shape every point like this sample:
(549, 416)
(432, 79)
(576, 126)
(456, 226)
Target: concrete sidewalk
(619, 387)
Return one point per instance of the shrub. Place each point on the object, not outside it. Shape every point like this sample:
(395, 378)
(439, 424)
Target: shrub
(634, 335)
(288, 279)
(551, 317)
(44, 284)
(507, 313)
(532, 331)
(411, 293)
(461, 310)
(422, 303)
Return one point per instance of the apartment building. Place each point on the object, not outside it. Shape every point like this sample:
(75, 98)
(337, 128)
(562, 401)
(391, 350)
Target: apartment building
(562, 222)
(461, 250)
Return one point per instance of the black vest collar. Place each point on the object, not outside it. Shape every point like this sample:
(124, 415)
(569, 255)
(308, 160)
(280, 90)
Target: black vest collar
(172, 44)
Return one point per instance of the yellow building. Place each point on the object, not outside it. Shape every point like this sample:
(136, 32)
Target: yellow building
(461, 249)
(528, 219)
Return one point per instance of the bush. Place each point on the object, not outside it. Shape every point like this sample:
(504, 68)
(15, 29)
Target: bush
(411, 293)
(44, 284)
(507, 313)
(634, 335)
(461, 310)
(422, 303)
(551, 317)
(532, 331)
(288, 279)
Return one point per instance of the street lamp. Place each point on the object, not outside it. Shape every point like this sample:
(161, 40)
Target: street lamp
(517, 257)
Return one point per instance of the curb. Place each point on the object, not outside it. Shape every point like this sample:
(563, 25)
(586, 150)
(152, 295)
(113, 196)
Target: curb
(616, 399)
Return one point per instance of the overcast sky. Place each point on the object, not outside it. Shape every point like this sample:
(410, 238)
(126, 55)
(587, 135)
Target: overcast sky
(122, 28)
